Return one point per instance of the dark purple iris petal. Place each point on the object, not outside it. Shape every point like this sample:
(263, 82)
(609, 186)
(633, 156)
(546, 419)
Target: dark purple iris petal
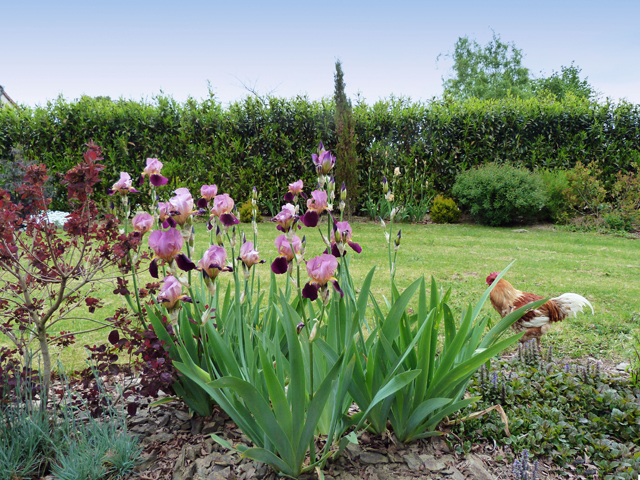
(133, 190)
(110, 191)
(288, 197)
(141, 181)
(337, 287)
(202, 203)
(278, 227)
(228, 220)
(356, 248)
(303, 195)
(334, 250)
(187, 299)
(310, 291)
(169, 222)
(280, 265)
(310, 219)
(158, 180)
(153, 268)
(184, 263)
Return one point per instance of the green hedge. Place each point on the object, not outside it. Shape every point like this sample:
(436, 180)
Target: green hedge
(268, 143)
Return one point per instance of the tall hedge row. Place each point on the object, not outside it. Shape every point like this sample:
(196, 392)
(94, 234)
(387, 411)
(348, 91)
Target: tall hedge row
(267, 143)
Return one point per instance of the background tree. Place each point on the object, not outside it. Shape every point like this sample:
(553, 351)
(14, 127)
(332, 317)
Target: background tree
(346, 156)
(488, 72)
(566, 81)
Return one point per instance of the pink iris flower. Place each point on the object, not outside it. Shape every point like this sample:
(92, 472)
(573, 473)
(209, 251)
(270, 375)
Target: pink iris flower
(171, 293)
(181, 206)
(318, 201)
(321, 270)
(296, 187)
(207, 192)
(281, 263)
(222, 208)
(123, 186)
(143, 223)
(315, 206)
(164, 213)
(213, 262)
(323, 161)
(248, 255)
(153, 171)
(166, 245)
(286, 218)
(343, 232)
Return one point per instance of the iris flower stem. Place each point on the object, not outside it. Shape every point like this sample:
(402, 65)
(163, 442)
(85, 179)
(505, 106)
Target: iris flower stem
(391, 269)
(134, 276)
(239, 323)
(133, 267)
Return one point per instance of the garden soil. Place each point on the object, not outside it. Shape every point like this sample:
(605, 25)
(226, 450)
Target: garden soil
(178, 446)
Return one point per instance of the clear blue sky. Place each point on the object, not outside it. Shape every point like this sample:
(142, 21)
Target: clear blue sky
(136, 49)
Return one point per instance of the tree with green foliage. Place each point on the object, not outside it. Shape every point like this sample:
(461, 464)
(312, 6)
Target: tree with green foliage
(488, 72)
(346, 155)
(566, 81)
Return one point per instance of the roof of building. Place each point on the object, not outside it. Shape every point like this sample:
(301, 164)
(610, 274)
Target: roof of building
(3, 96)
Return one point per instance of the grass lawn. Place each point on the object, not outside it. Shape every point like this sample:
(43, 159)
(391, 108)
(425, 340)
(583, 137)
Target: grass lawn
(604, 269)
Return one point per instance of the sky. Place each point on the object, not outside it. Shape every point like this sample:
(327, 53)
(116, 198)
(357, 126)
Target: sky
(139, 49)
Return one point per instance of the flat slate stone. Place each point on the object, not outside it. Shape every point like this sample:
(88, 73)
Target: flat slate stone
(373, 458)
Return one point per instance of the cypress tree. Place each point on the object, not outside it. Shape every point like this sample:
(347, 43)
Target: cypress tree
(346, 156)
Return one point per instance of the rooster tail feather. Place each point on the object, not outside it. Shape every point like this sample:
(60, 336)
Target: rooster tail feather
(572, 303)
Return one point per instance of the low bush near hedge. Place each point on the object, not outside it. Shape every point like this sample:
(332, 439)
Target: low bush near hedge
(444, 210)
(498, 194)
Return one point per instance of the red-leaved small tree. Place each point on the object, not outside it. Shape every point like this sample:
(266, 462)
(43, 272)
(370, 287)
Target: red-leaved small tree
(48, 273)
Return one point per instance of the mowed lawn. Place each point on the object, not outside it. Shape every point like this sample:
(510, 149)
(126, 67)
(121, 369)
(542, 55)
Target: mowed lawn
(549, 262)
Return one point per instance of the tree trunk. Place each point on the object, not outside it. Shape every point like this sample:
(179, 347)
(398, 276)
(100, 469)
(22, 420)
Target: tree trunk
(46, 358)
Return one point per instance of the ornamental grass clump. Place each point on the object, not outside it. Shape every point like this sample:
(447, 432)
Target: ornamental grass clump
(287, 364)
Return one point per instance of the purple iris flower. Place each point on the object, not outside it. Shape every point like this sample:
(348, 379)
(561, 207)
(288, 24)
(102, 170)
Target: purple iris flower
(315, 206)
(342, 234)
(321, 270)
(222, 208)
(153, 171)
(286, 254)
(286, 218)
(123, 186)
(323, 161)
(166, 245)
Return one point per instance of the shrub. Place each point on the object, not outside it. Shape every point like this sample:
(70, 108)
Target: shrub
(626, 196)
(585, 194)
(618, 222)
(500, 194)
(246, 212)
(47, 273)
(444, 210)
(557, 184)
